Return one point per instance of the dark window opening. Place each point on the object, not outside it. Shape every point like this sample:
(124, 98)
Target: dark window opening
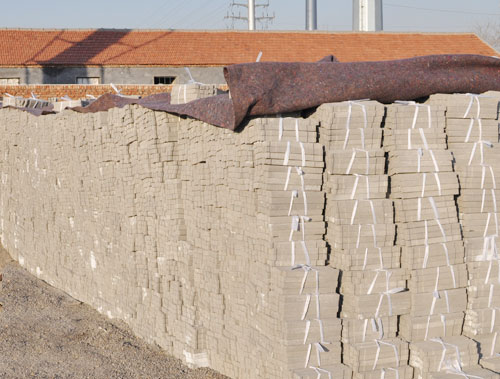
(164, 79)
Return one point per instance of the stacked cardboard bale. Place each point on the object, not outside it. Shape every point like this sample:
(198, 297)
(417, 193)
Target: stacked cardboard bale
(423, 189)
(473, 135)
(361, 234)
(424, 185)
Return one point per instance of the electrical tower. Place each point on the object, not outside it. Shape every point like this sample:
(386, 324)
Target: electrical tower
(263, 19)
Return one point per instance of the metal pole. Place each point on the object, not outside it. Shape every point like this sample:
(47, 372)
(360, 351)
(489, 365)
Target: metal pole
(311, 15)
(251, 14)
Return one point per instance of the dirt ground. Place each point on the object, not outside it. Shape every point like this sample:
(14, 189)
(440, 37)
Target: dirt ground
(44, 333)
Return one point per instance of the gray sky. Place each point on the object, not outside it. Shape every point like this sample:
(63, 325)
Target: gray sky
(399, 15)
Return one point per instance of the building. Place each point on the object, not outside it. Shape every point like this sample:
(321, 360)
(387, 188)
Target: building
(145, 57)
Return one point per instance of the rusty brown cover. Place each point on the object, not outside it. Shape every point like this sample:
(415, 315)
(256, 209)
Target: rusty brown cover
(267, 88)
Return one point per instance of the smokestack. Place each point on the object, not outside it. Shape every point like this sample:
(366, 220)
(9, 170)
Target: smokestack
(251, 14)
(367, 15)
(311, 15)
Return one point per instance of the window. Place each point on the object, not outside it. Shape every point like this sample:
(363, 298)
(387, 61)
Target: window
(164, 79)
(88, 80)
(9, 81)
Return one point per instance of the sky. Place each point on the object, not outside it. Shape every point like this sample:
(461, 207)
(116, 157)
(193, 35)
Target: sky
(334, 15)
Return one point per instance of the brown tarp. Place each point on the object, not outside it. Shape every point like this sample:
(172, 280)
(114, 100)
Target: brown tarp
(266, 88)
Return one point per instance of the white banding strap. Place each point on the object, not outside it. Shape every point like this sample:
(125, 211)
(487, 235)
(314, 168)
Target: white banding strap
(294, 227)
(482, 199)
(303, 152)
(485, 233)
(481, 144)
(443, 354)
(493, 319)
(447, 301)
(355, 187)
(490, 296)
(365, 260)
(287, 154)
(306, 306)
(373, 212)
(306, 252)
(424, 140)
(297, 130)
(320, 371)
(436, 167)
(493, 344)
(438, 182)
(280, 133)
(472, 98)
(303, 220)
(362, 134)
(415, 116)
(365, 325)
(351, 162)
(293, 195)
(419, 157)
(381, 258)
(306, 334)
(293, 253)
(354, 210)
(306, 269)
(469, 131)
(359, 236)
(424, 178)
(346, 139)
(374, 235)
(377, 354)
(287, 178)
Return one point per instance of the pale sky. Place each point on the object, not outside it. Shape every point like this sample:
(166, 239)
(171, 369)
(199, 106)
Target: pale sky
(399, 15)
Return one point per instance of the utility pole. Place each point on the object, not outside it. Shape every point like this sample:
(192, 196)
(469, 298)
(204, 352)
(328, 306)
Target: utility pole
(252, 19)
(311, 15)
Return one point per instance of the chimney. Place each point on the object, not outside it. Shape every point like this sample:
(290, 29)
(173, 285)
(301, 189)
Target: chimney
(251, 14)
(311, 15)
(367, 15)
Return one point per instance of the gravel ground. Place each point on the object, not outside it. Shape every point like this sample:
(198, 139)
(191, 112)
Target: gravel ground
(44, 333)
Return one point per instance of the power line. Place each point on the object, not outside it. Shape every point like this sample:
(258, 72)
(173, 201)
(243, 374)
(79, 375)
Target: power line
(440, 10)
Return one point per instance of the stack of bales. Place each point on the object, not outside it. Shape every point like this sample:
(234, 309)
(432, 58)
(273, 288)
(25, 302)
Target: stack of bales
(473, 135)
(361, 234)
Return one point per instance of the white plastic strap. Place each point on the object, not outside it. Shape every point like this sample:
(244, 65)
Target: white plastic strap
(287, 154)
(306, 252)
(473, 97)
(280, 134)
(424, 140)
(490, 296)
(351, 162)
(354, 210)
(287, 178)
(373, 212)
(424, 178)
(359, 236)
(469, 131)
(293, 195)
(365, 260)
(436, 167)
(346, 139)
(297, 130)
(419, 157)
(321, 371)
(438, 182)
(303, 153)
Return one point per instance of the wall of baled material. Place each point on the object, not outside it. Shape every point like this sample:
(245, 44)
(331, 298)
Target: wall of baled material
(167, 223)
(213, 243)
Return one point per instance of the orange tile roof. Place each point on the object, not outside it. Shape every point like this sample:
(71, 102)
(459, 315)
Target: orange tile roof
(101, 47)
